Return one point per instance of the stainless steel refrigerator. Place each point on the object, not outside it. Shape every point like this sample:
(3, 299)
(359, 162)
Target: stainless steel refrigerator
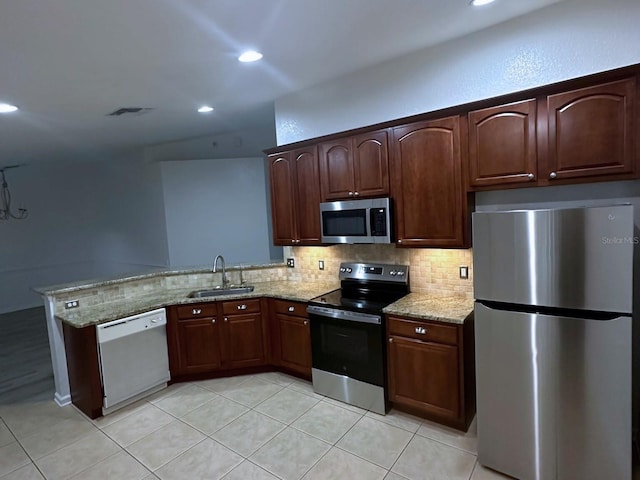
(554, 294)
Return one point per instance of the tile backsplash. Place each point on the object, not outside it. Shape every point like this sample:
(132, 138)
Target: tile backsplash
(432, 269)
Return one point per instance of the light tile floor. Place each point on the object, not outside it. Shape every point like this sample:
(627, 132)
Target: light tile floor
(262, 427)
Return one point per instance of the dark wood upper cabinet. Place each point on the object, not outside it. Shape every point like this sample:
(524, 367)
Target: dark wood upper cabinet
(307, 198)
(502, 145)
(592, 132)
(355, 167)
(281, 173)
(431, 208)
(371, 164)
(295, 197)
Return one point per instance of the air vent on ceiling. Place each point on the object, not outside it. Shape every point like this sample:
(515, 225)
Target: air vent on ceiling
(129, 111)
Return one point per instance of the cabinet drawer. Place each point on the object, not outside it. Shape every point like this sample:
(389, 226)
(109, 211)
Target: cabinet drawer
(420, 330)
(291, 308)
(197, 311)
(241, 306)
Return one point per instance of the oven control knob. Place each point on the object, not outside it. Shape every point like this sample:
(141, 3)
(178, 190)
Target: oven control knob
(392, 273)
(400, 273)
(342, 269)
(349, 270)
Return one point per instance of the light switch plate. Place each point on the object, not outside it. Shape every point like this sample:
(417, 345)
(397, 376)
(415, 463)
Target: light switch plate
(464, 272)
(291, 263)
(321, 264)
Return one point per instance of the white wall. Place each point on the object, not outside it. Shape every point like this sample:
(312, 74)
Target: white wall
(216, 207)
(85, 221)
(566, 40)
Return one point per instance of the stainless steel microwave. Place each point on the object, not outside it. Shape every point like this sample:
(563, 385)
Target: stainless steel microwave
(357, 221)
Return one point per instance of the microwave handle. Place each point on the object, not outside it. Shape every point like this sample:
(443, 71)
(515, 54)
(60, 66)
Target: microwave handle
(369, 213)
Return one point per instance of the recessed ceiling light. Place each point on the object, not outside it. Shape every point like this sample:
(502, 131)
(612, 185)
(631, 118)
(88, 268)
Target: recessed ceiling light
(7, 108)
(479, 3)
(250, 56)
(205, 109)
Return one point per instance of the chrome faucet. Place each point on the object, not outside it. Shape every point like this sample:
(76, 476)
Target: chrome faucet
(225, 280)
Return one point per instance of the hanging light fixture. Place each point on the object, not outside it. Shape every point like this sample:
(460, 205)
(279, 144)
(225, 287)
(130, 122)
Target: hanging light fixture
(5, 199)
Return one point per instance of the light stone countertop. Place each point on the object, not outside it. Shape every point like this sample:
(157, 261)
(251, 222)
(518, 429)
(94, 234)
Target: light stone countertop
(108, 311)
(430, 306)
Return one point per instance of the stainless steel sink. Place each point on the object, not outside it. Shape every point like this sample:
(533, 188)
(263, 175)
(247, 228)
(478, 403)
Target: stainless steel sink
(218, 291)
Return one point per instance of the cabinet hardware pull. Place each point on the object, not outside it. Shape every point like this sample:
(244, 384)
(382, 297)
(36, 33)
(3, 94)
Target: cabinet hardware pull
(305, 322)
(421, 330)
(292, 309)
(226, 319)
(351, 194)
(531, 176)
(356, 194)
(242, 307)
(553, 175)
(213, 320)
(391, 340)
(399, 241)
(196, 311)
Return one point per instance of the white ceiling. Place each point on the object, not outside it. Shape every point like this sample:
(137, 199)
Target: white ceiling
(67, 63)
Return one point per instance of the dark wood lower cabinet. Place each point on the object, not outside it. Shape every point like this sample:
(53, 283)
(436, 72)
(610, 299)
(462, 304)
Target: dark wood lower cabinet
(198, 345)
(85, 383)
(243, 345)
(291, 337)
(431, 370)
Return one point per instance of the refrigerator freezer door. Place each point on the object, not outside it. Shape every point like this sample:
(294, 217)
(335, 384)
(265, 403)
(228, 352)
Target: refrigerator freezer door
(578, 258)
(554, 395)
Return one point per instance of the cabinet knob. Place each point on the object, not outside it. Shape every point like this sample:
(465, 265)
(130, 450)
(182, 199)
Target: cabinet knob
(226, 319)
(391, 340)
(293, 241)
(351, 194)
(399, 241)
(421, 330)
(196, 311)
(553, 175)
(298, 241)
(242, 307)
(292, 309)
(306, 322)
(531, 176)
(213, 320)
(356, 194)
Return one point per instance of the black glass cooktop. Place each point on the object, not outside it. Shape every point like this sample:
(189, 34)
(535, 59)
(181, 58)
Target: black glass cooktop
(368, 304)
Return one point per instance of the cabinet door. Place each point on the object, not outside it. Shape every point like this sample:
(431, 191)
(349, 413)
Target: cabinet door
(295, 343)
(307, 198)
(281, 172)
(592, 131)
(502, 144)
(198, 345)
(424, 376)
(371, 164)
(427, 184)
(243, 346)
(336, 170)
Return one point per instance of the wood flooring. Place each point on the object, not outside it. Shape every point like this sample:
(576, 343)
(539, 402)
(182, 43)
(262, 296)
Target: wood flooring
(25, 360)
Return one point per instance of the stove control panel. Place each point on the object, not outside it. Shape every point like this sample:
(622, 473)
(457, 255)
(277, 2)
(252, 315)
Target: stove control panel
(374, 271)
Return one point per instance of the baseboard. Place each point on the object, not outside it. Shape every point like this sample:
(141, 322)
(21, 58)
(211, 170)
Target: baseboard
(62, 400)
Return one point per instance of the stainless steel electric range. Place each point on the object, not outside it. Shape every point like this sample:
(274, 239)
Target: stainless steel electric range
(348, 347)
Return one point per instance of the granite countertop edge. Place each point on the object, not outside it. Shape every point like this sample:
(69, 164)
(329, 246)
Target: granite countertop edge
(114, 310)
(444, 308)
(454, 309)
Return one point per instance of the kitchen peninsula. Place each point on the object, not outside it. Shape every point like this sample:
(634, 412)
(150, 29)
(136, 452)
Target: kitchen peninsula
(276, 303)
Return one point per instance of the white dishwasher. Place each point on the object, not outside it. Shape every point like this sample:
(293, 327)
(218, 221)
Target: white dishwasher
(134, 361)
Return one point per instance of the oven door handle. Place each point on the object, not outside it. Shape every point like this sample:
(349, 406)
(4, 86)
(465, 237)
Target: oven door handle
(344, 315)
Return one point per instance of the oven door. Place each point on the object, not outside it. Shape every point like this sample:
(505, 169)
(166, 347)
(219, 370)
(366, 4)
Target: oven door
(348, 343)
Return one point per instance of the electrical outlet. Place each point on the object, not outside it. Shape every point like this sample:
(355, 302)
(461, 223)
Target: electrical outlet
(291, 262)
(464, 272)
(321, 264)
(72, 304)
